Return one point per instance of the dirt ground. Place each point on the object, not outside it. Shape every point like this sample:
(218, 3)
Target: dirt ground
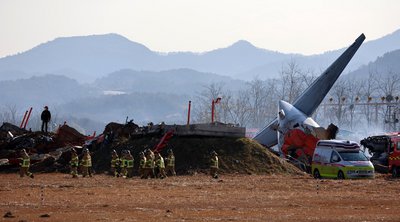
(58, 197)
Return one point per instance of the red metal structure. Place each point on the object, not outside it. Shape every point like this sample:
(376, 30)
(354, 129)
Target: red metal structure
(216, 101)
(23, 120)
(188, 119)
(27, 118)
(163, 142)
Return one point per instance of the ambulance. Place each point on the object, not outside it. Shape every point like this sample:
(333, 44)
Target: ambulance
(340, 159)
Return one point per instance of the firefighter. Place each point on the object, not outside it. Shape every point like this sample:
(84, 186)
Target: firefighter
(152, 163)
(214, 165)
(160, 166)
(115, 163)
(148, 166)
(123, 163)
(74, 163)
(24, 164)
(129, 164)
(86, 163)
(170, 160)
(142, 164)
(157, 164)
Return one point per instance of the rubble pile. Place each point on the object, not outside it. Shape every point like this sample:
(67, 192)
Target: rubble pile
(121, 130)
(48, 152)
(68, 135)
(51, 152)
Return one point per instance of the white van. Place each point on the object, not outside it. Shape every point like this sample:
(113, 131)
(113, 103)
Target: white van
(340, 159)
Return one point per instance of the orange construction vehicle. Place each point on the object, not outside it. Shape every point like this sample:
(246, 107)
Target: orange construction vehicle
(385, 151)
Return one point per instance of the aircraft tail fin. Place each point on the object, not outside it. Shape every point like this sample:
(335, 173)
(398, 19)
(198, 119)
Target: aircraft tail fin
(316, 92)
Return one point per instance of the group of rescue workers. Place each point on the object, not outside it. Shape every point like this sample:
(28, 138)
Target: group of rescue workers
(151, 164)
(86, 163)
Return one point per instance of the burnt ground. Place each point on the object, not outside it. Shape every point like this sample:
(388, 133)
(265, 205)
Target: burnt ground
(234, 197)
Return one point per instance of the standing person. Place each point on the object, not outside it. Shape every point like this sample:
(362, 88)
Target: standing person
(148, 166)
(45, 117)
(214, 165)
(157, 166)
(115, 163)
(170, 160)
(152, 163)
(86, 163)
(142, 164)
(129, 164)
(160, 166)
(24, 164)
(74, 163)
(123, 163)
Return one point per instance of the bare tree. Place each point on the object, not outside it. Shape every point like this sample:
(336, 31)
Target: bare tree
(239, 109)
(339, 93)
(257, 97)
(355, 88)
(390, 84)
(291, 79)
(9, 114)
(223, 113)
(369, 88)
(12, 109)
(202, 109)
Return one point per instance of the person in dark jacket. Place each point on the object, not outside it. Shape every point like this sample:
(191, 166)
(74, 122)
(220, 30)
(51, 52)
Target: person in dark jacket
(46, 116)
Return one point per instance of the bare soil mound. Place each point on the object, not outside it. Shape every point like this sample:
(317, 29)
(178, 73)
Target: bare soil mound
(236, 155)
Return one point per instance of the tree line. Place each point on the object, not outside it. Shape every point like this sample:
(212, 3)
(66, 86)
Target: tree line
(353, 103)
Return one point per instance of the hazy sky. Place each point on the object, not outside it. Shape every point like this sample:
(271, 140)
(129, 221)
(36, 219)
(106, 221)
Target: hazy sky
(301, 26)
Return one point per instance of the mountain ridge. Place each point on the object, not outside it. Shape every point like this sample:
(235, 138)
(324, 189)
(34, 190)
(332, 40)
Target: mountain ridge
(87, 58)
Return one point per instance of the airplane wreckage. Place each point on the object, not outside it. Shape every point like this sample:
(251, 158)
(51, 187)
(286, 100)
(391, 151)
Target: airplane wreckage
(294, 131)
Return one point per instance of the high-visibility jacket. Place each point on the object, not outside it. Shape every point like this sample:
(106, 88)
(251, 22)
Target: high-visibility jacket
(160, 163)
(149, 163)
(74, 161)
(171, 161)
(129, 163)
(214, 162)
(87, 161)
(115, 162)
(142, 162)
(123, 162)
(25, 162)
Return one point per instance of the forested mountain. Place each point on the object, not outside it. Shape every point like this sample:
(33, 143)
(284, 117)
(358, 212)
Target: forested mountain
(388, 64)
(38, 91)
(86, 58)
(178, 81)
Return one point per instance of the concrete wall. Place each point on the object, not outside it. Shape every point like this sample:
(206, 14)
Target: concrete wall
(216, 129)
